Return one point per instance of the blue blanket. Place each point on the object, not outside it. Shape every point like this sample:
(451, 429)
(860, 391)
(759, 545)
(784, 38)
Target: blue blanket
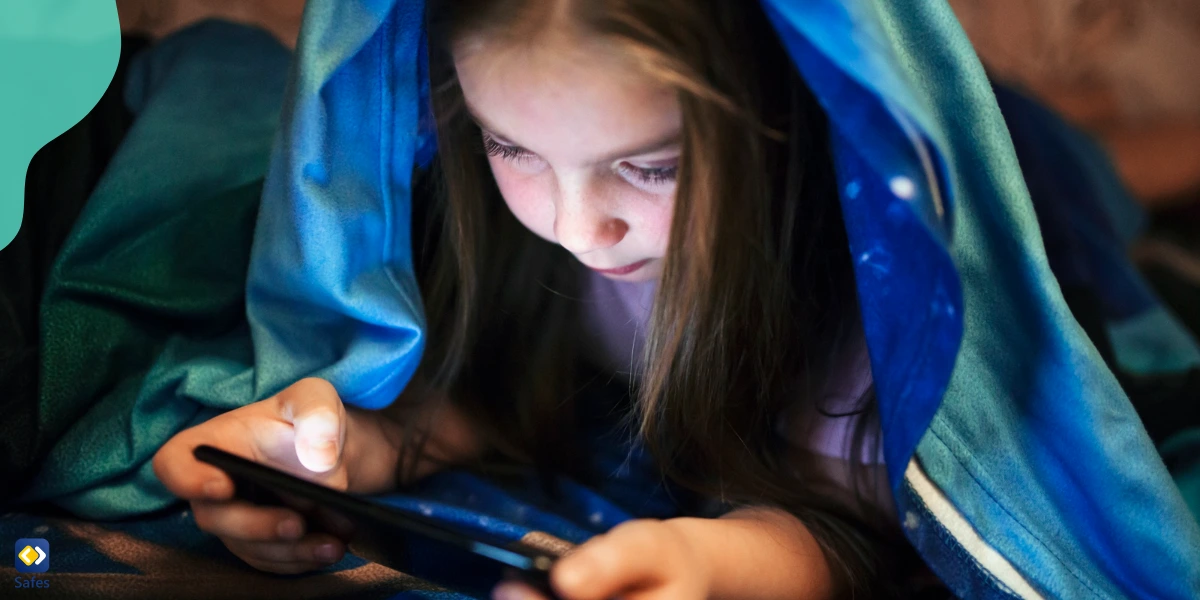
(989, 392)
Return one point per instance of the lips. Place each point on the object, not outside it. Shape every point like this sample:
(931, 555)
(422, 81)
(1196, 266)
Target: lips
(625, 270)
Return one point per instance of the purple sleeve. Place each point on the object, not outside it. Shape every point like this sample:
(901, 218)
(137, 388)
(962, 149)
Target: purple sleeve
(808, 428)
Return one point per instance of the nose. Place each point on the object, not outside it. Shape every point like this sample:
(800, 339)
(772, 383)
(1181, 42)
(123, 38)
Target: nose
(583, 223)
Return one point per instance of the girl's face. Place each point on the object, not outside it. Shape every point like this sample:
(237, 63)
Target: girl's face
(584, 149)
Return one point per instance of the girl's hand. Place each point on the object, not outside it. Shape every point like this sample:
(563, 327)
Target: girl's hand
(638, 560)
(304, 430)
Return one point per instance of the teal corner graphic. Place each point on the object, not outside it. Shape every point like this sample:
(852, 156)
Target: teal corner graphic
(56, 59)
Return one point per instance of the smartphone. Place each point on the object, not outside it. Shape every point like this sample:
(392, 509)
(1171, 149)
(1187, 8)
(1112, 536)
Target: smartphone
(372, 530)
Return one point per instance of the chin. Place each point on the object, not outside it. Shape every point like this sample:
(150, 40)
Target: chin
(627, 278)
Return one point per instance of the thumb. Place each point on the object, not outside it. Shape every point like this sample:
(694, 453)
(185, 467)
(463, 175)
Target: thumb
(319, 421)
(630, 560)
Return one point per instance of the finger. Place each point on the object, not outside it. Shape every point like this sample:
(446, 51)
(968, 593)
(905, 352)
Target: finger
(313, 548)
(177, 468)
(620, 561)
(319, 418)
(515, 590)
(285, 568)
(248, 522)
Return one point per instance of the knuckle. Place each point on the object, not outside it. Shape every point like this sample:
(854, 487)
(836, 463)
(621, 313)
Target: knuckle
(603, 554)
(632, 540)
(253, 526)
(261, 528)
(162, 462)
(643, 534)
(316, 386)
(158, 463)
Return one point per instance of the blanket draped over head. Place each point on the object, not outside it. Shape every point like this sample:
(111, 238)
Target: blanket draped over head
(1018, 465)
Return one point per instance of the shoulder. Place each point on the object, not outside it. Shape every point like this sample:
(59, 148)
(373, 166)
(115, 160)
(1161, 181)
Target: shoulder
(833, 440)
(839, 419)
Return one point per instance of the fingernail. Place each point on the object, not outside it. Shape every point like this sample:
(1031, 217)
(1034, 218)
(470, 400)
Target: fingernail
(320, 425)
(289, 529)
(318, 455)
(327, 448)
(326, 553)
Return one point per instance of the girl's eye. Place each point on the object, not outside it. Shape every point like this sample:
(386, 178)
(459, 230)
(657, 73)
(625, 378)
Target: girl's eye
(649, 177)
(513, 153)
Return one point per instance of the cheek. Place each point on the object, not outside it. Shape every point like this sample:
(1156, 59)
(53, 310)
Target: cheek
(526, 197)
(653, 220)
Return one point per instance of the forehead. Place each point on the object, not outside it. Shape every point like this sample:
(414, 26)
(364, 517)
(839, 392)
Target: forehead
(572, 98)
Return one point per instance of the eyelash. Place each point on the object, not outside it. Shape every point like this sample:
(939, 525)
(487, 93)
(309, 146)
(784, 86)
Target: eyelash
(494, 148)
(649, 176)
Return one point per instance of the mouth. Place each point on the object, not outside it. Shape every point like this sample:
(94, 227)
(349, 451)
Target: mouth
(625, 270)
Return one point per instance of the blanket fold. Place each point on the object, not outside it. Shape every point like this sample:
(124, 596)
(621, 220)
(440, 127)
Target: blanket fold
(1018, 464)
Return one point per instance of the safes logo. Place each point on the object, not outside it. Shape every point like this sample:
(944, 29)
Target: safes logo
(32, 555)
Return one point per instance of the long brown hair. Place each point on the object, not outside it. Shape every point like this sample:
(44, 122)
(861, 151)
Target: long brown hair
(757, 289)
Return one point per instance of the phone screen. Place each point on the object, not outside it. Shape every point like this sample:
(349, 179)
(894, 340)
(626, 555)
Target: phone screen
(371, 530)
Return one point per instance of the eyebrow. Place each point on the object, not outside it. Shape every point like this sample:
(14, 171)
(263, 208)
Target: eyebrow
(661, 143)
(671, 139)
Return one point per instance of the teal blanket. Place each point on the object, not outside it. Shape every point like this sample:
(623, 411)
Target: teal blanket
(182, 294)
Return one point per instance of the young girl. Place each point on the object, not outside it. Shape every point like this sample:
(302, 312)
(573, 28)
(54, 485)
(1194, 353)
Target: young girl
(645, 188)
(613, 187)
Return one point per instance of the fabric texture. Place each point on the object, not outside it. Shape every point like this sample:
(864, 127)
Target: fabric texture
(983, 376)
(60, 178)
(143, 318)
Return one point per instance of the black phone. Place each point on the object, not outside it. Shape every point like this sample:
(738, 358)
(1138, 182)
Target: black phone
(371, 530)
